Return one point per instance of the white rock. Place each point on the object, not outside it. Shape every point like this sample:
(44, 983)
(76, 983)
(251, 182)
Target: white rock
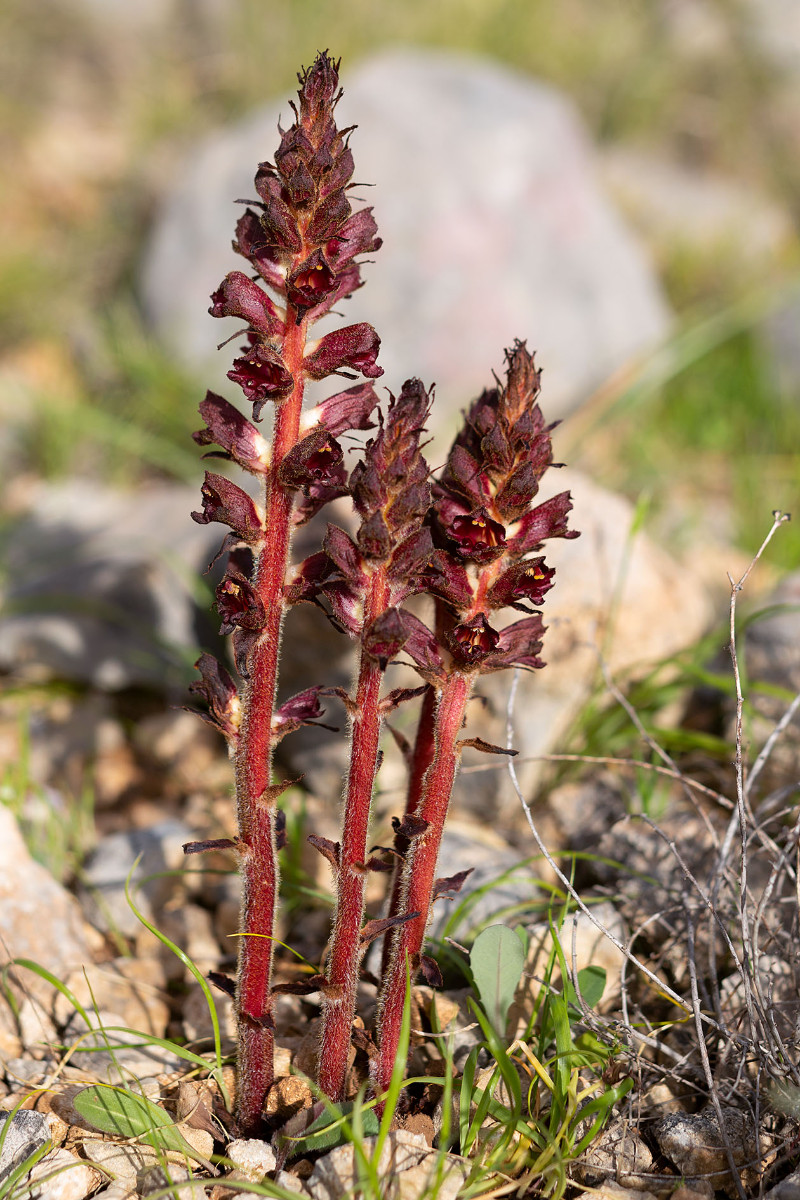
(406, 1167)
(62, 1176)
(39, 919)
(122, 562)
(252, 1158)
(494, 222)
(22, 1134)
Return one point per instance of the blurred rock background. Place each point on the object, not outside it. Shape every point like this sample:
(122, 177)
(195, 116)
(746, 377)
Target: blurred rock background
(617, 183)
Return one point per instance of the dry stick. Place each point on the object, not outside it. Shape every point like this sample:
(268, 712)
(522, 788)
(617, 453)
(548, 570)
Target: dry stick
(701, 1041)
(256, 808)
(339, 999)
(569, 887)
(739, 817)
(605, 761)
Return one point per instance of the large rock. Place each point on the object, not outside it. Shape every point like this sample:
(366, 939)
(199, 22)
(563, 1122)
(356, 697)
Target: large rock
(39, 920)
(101, 585)
(494, 227)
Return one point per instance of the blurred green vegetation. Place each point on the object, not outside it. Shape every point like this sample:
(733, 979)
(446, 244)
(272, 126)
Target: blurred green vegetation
(716, 432)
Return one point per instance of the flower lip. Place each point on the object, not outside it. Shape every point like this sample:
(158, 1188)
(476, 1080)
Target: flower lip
(477, 536)
(473, 640)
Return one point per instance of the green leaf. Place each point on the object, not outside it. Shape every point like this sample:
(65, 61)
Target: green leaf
(497, 960)
(592, 984)
(115, 1110)
(326, 1132)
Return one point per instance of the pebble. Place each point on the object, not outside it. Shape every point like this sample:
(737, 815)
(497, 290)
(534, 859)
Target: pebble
(62, 1176)
(159, 848)
(39, 919)
(251, 1158)
(23, 1134)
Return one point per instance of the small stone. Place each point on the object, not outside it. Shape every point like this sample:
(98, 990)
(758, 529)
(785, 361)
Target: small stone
(177, 1179)
(134, 988)
(288, 1096)
(197, 1024)
(406, 1165)
(122, 1162)
(201, 1141)
(290, 1183)
(696, 1145)
(251, 1158)
(787, 1189)
(615, 1191)
(23, 1134)
(159, 849)
(117, 1191)
(618, 1154)
(62, 1176)
(39, 919)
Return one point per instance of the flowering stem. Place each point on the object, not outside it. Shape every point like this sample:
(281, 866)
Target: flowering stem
(256, 808)
(420, 869)
(421, 759)
(339, 1002)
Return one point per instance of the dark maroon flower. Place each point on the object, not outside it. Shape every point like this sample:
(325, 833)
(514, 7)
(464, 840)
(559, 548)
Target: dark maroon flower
(354, 346)
(522, 584)
(330, 216)
(238, 296)
(356, 236)
(423, 649)
(239, 604)
(476, 536)
(225, 502)
(349, 409)
(277, 220)
(309, 579)
(240, 440)
(316, 459)
(219, 692)
(547, 520)
(311, 282)
(518, 646)
(472, 640)
(345, 556)
(250, 242)
(299, 710)
(386, 636)
(447, 579)
(408, 562)
(262, 376)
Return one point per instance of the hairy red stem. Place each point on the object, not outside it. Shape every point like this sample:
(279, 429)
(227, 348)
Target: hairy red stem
(255, 805)
(339, 1004)
(422, 757)
(420, 870)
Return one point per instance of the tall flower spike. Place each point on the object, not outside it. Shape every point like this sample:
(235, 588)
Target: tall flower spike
(363, 581)
(484, 525)
(302, 241)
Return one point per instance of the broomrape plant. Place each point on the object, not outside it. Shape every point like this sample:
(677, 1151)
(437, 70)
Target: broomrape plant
(469, 539)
